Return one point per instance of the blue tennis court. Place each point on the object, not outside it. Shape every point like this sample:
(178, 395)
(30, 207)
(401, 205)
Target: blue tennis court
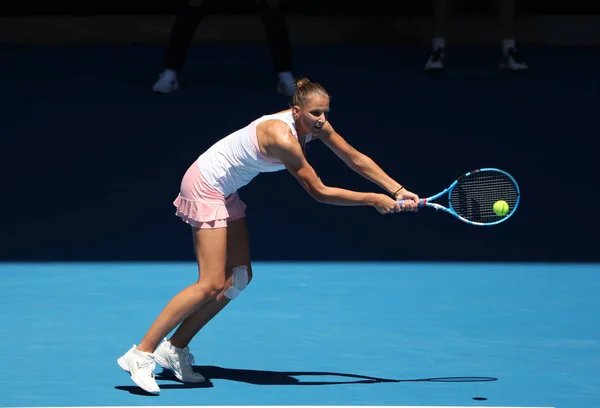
(403, 334)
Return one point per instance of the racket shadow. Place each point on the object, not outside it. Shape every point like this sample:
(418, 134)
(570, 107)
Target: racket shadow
(265, 377)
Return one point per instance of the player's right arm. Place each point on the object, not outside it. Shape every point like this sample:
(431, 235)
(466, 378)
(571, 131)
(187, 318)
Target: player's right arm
(279, 143)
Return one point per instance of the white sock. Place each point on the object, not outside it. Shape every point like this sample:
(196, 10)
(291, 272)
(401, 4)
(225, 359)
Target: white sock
(438, 42)
(172, 347)
(507, 44)
(143, 353)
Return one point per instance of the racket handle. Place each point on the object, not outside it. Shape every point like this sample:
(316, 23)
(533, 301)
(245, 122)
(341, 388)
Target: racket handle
(422, 202)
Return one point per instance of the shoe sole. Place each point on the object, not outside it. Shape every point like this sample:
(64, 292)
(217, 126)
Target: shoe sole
(125, 367)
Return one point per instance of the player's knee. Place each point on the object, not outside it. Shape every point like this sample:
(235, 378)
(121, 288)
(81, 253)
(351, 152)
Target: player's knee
(209, 288)
(240, 278)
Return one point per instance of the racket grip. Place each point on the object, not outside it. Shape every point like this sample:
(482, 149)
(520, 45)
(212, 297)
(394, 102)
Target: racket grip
(422, 202)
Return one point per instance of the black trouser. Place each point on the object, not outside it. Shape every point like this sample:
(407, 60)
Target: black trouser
(182, 34)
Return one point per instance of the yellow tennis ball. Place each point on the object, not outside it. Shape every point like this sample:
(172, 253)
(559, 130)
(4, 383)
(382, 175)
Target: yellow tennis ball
(501, 208)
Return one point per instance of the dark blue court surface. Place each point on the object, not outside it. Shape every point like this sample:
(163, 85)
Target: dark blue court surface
(312, 334)
(505, 316)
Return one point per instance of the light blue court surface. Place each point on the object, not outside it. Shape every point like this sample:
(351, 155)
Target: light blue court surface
(312, 334)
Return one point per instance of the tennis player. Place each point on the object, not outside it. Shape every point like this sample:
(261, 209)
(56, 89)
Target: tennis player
(209, 202)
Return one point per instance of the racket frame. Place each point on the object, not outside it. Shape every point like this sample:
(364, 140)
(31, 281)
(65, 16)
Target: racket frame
(427, 202)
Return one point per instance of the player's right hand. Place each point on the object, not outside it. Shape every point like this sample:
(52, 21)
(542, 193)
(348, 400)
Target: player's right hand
(385, 204)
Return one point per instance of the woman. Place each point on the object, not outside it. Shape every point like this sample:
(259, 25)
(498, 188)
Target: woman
(209, 202)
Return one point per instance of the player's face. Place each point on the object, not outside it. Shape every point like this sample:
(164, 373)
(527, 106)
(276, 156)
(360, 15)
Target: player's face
(313, 116)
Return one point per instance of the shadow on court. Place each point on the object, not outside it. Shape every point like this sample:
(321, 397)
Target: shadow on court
(263, 377)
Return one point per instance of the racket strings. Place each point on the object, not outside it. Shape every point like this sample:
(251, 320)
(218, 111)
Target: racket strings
(474, 196)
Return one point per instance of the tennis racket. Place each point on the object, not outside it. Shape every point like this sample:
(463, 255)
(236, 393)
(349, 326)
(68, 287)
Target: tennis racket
(471, 197)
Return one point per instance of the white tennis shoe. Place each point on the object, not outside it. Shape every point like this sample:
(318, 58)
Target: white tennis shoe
(287, 83)
(178, 361)
(140, 366)
(513, 61)
(167, 82)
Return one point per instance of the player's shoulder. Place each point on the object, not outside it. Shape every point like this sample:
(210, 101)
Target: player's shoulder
(276, 125)
(278, 117)
(281, 134)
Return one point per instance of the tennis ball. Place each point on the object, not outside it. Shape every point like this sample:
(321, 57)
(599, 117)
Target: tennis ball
(501, 207)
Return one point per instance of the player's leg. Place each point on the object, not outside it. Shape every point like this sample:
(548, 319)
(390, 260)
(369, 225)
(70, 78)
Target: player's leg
(180, 39)
(238, 272)
(211, 248)
(511, 59)
(238, 261)
(274, 21)
(442, 12)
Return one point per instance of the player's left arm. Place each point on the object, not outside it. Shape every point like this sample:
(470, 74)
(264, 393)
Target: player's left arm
(359, 162)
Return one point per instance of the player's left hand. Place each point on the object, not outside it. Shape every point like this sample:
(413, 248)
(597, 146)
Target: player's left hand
(411, 200)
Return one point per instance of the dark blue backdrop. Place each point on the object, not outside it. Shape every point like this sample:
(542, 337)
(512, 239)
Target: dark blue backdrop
(92, 160)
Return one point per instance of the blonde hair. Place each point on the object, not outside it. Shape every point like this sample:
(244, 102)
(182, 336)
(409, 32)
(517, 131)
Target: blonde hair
(305, 89)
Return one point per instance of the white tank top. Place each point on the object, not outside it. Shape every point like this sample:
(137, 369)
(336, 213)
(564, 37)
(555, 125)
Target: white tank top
(235, 160)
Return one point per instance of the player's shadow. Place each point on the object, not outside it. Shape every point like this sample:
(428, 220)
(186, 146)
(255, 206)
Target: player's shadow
(264, 377)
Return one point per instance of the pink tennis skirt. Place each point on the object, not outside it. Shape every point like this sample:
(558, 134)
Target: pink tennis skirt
(202, 206)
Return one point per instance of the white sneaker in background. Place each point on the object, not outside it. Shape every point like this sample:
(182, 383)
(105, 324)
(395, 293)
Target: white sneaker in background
(287, 83)
(435, 62)
(167, 82)
(513, 61)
